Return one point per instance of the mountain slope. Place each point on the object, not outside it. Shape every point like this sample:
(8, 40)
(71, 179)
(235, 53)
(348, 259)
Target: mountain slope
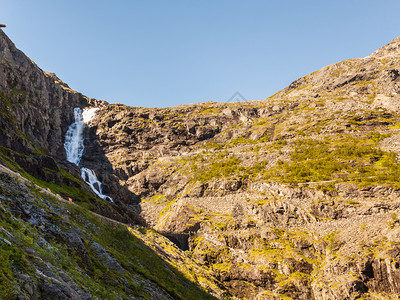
(295, 195)
(53, 249)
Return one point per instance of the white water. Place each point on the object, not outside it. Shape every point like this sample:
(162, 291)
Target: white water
(74, 139)
(88, 114)
(91, 179)
(74, 148)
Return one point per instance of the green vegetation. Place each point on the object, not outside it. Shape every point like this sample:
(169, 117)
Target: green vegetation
(73, 189)
(6, 105)
(157, 199)
(264, 139)
(282, 250)
(263, 122)
(205, 167)
(191, 271)
(277, 145)
(333, 242)
(294, 278)
(138, 258)
(326, 187)
(371, 117)
(241, 140)
(234, 142)
(91, 273)
(224, 267)
(166, 208)
(338, 158)
(394, 221)
(395, 126)
(6, 274)
(12, 257)
(210, 111)
(377, 247)
(218, 168)
(213, 145)
(283, 247)
(261, 202)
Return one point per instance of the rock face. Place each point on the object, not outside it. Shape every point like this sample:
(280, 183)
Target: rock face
(38, 105)
(294, 196)
(36, 109)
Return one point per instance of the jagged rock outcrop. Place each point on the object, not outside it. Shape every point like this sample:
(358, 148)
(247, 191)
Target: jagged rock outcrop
(37, 107)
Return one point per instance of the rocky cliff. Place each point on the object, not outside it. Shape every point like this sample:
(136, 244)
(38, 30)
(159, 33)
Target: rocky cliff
(36, 109)
(292, 197)
(58, 240)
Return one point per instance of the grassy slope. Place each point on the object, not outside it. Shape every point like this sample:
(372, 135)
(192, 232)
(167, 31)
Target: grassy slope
(141, 263)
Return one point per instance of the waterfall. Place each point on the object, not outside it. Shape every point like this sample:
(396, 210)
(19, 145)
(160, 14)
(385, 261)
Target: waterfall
(74, 139)
(74, 148)
(91, 179)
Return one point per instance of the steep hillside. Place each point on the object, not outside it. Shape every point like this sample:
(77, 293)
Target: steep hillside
(53, 249)
(293, 196)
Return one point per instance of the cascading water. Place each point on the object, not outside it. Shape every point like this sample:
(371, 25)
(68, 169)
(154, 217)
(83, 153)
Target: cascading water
(74, 148)
(91, 179)
(74, 139)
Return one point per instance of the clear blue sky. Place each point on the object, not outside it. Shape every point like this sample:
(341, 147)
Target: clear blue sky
(170, 52)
